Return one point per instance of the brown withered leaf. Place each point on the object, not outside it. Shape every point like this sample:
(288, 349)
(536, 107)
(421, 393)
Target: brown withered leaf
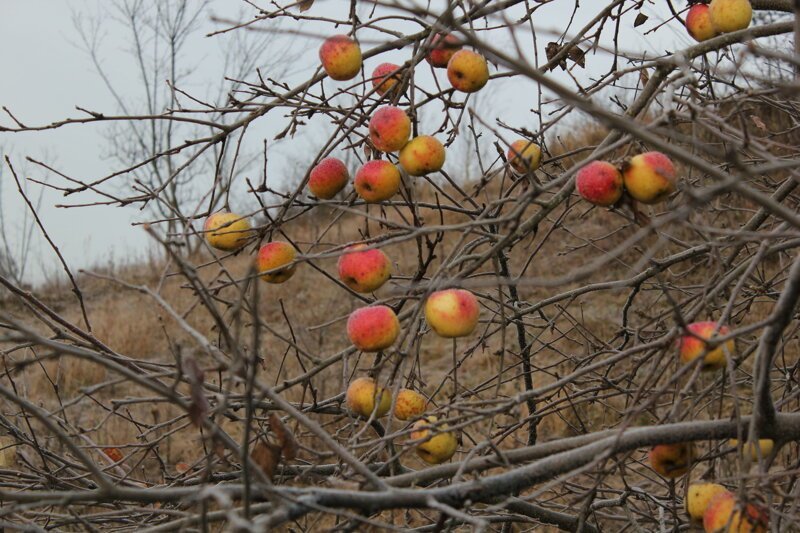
(550, 51)
(267, 456)
(305, 5)
(114, 454)
(198, 408)
(644, 77)
(641, 18)
(759, 123)
(286, 440)
(578, 56)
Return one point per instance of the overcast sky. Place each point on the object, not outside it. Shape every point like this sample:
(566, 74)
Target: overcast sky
(45, 72)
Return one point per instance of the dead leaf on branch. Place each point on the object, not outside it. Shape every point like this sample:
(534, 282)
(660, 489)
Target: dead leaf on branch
(759, 123)
(286, 441)
(198, 408)
(305, 5)
(641, 18)
(267, 456)
(576, 54)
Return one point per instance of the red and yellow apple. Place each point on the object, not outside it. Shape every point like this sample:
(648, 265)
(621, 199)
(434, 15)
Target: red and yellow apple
(730, 15)
(364, 270)
(328, 178)
(409, 404)
(440, 444)
(443, 46)
(524, 156)
(275, 261)
(227, 231)
(452, 312)
(373, 328)
(600, 183)
(671, 460)
(363, 394)
(698, 23)
(389, 129)
(385, 77)
(422, 155)
(649, 177)
(690, 347)
(467, 71)
(341, 57)
(698, 496)
(725, 513)
(377, 180)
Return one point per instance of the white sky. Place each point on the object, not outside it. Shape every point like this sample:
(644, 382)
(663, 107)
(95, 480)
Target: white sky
(45, 73)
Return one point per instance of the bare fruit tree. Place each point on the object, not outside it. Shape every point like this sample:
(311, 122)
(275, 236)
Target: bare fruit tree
(586, 320)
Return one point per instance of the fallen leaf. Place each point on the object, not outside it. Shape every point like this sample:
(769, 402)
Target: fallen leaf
(182, 467)
(267, 456)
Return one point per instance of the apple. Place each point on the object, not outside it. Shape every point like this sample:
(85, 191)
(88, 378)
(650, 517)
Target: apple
(440, 445)
(275, 255)
(690, 347)
(730, 15)
(328, 178)
(671, 460)
(467, 71)
(698, 497)
(765, 447)
(409, 404)
(422, 155)
(600, 183)
(649, 177)
(227, 231)
(389, 129)
(373, 328)
(698, 23)
(341, 57)
(361, 397)
(452, 312)
(524, 156)
(726, 513)
(443, 46)
(364, 270)
(385, 77)
(377, 180)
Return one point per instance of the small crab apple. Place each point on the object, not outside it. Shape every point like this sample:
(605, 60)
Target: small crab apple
(361, 398)
(341, 57)
(440, 445)
(327, 178)
(385, 77)
(422, 155)
(275, 261)
(452, 312)
(690, 347)
(649, 177)
(730, 15)
(726, 513)
(373, 328)
(671, 460)
(227, 231)
(524, 156)
(698, 23)
(377, 180)
(600, 183)
(409, 404)
(443, 46)
(467, 71)
(364, 270)
(389, 129)
(764, 448)
(698, 497)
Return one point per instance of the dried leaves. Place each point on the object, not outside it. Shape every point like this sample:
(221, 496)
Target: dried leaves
(574, 53)
(267, 455)
(198, 408)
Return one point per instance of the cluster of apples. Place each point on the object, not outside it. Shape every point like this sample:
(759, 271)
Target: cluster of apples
(648, 177)
(450, 313)
(705, 21)
(719, 509)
